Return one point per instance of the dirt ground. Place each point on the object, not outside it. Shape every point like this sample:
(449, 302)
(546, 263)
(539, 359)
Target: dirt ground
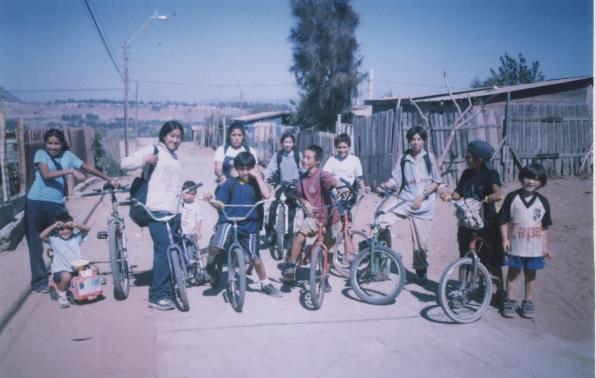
(564, 289)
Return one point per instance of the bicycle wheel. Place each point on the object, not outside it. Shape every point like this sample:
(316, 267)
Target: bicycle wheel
(377, 277)
(237, 279)
(317, 276)
(463, 295)
(178, 278)
(118, 260)
(277, 240)
(346, 250)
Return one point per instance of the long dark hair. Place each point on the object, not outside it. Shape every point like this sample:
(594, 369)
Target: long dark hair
(235, 126)
(168, 127)
(56, 134)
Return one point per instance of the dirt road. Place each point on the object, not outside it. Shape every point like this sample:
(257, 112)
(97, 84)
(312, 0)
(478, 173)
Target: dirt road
(279, 336)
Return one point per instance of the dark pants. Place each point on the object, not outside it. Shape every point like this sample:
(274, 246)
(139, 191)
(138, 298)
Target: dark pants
(39, 215)
(160, 285)
(491, 254)
(292, 205)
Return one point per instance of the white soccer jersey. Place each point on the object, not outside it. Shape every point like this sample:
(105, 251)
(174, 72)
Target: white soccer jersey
(527, 218)
(348, 169)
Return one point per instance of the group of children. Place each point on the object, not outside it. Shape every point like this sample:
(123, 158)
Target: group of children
(517, 234)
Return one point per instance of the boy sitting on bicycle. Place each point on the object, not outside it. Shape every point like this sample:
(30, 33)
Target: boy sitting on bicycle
(65, 238)
(314, 189)
(284, 168)
(524, 218)
(345, 166)
(246, 189)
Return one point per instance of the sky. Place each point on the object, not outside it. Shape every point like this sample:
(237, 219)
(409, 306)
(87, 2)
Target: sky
(230, 50)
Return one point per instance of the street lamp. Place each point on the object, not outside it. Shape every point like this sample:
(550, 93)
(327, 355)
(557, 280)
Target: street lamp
(125, 46)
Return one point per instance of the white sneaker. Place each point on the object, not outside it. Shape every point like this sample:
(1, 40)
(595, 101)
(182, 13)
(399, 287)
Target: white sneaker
(63, 302)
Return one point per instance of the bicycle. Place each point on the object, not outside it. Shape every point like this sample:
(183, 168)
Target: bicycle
(377, 273)
(465, 287)
(277, 239)
(116, 241)
(196, 268)
(236, 256)
(349, 239)
(178, 260)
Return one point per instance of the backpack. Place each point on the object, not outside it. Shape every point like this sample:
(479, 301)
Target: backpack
(258, 196)
(277, 174)
(402, 163)
(138, 190)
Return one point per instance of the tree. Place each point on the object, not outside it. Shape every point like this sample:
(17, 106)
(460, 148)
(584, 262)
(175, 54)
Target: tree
(325, 64)
(511, 72)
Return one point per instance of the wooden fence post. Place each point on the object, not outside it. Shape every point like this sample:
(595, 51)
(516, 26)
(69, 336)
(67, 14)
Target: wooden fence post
(3, 170)
(22, 159)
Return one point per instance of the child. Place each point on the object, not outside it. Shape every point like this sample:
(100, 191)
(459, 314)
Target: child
(314, 193)
(344, 165)
(65, 238)
(191, 219)
(524, 218)
(246, 189)
(479, 181)
(284, 168)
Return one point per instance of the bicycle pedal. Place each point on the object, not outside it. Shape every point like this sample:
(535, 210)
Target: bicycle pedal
(102, 234)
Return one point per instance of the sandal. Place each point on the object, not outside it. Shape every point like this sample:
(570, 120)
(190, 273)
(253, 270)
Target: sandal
(527, 309)
(509, 308)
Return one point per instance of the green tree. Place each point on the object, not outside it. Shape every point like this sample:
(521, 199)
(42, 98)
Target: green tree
(511, 72)
(325, 62)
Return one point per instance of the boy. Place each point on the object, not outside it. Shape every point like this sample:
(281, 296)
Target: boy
(284, 167)
(524, 218)
(246, 189)
(344, 165)
(314, 193)
(65, 238)
(190, 219)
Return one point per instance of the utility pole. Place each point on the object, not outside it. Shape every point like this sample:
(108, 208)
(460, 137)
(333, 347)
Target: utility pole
(136, 109)
(370, 84)
(125, 50)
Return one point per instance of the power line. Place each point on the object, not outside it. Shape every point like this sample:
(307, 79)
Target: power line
(415, 84)
(218, 85)
(64, 90)
(103, 39)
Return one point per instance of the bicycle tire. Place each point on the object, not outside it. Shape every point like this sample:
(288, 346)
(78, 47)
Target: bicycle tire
(178, 279)
(276, 248)
(317, 276)
(237, 279)
(118, 261)
(342, 258)
(390, 277)
(460, 302)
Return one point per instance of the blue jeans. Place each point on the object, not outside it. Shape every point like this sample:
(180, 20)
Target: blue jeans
(160, 284)
(39, 215)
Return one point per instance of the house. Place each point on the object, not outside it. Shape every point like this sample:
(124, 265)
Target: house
(252, 123)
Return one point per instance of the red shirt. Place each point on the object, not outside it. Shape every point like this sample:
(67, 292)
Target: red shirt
(309, 188)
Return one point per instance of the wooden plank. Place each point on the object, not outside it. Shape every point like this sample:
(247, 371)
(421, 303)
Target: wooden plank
(22, 159)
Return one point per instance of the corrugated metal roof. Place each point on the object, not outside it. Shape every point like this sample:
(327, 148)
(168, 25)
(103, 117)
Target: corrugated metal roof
(260, 116)
(481, 92)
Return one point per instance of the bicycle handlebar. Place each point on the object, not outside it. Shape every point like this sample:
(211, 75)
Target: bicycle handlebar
(165, 218)
(107, 189)
(252, 207)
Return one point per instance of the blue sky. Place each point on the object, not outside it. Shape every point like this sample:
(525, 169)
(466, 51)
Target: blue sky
(231, 49)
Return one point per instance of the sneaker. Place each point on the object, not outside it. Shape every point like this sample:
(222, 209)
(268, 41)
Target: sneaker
(528, 308)
(42, 290)
(421, 276)
(509, 308)
(212, 273)
(289, 272)
(271, 290)
(63, 302)
(162, 304)
(327, 286)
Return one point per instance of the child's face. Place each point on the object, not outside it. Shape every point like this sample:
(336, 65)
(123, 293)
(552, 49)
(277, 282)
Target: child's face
(189, 197)
(173, 139)
(53, 146)
(65, 232)
(288, 144)
(243, 173)
(416, 143)
(342, 149)
(472, 161)
(309, 160)
(530, 185)
(236, 138)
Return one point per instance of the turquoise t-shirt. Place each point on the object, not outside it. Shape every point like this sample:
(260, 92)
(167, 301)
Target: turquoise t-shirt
(51, 190)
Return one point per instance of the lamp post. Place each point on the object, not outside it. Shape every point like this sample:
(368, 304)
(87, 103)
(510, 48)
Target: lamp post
(125, 46)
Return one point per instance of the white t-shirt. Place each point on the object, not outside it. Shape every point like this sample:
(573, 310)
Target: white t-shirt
(166, 179)
(190, 218)
(347, 169)
(232, 153)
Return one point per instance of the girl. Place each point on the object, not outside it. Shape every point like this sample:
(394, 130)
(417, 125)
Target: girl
(45, 199)
(224, 155)
(416, 178)
(163, 190)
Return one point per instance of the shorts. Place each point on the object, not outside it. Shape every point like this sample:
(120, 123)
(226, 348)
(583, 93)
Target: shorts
(57, 275)
(522, 263)
(310, 227)
(222, 236)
